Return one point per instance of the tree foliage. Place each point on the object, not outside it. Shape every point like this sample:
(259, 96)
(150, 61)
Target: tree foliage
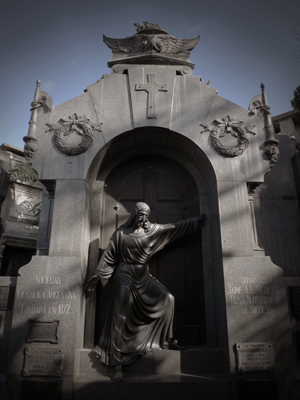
(296, 100)
(23, 172)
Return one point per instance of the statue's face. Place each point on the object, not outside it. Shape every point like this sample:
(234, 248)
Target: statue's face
(142, 217)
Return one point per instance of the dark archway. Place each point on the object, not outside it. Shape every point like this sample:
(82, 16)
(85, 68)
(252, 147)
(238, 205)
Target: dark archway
(131, 152)
(172, 196)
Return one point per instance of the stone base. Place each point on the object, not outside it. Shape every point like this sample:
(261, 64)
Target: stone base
(158, 375)
(152, 386)
(149, 387)
(194, 360)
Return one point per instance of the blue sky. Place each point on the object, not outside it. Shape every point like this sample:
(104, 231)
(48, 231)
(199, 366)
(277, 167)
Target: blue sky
(242, 44)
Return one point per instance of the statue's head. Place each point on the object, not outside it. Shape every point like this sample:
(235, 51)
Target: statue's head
(139, 216)
(142, 207)
(142, 212)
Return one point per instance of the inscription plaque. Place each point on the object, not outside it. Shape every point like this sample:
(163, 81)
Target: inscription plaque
(295, 300)
(5, 298)
(43, 361)
(255, 357)
(43, 331)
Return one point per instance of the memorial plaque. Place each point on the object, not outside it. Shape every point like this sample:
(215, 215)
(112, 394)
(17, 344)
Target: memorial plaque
(5, 298)
(295, 300)
(43, 361)
(255, 357)
(43, 331)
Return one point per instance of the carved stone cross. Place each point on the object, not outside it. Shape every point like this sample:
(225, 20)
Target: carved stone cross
(151, 87)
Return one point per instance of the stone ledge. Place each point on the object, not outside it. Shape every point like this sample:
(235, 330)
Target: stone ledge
(193, 360)
(152, 387)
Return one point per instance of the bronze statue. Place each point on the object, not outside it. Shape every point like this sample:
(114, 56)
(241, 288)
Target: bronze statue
(141, 310)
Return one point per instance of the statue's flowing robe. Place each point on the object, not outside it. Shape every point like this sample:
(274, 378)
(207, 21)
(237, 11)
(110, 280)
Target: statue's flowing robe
(141, 310)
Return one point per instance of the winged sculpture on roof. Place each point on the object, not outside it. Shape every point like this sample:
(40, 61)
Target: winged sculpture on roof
(150, 41)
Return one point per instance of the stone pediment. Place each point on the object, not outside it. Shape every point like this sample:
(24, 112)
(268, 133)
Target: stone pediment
(151, 45)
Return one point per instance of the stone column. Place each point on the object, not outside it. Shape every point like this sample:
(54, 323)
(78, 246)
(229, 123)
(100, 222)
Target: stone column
(70, 221)
(256, 305)
(236, 234)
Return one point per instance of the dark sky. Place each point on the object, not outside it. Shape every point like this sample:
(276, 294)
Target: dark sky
(242, 44)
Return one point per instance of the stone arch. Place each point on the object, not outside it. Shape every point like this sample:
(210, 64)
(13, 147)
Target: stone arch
(166, 144)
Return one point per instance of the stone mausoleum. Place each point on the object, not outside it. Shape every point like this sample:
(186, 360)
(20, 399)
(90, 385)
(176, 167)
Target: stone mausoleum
(150, 131)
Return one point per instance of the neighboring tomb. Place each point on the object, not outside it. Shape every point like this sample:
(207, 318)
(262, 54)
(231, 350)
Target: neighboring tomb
(21, 195)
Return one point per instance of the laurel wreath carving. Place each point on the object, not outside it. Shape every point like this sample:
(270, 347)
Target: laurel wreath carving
(74, 124)
(242, 142)
(222, 127)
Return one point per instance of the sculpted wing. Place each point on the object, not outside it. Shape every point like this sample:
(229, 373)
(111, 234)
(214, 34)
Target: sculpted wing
(128, 45)
(173, 45)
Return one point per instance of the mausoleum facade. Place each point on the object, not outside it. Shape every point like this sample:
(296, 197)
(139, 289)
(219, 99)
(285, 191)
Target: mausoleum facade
(151, 131)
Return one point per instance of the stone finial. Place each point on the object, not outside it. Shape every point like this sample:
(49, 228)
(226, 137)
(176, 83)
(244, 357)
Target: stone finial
(31, 142)
(263, 95)
(271, 144)
(148, 27)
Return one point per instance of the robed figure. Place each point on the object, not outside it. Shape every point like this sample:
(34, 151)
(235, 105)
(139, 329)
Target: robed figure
(141, 310)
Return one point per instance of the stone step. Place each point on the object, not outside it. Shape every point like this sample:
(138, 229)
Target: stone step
(190, 361)
(151, 387)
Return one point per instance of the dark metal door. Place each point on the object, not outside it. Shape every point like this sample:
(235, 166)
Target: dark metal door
(172, 196)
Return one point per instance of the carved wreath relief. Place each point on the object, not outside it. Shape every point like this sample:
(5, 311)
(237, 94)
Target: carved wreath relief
(73, 126)
(220, 128)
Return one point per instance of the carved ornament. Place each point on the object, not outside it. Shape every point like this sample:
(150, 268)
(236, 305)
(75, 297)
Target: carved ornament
(75, 126)
(260, 103)
(148, 27)
(151, 45)
(152, 88)
(272, 152)
(42, 102)
(220, 128)
(31, 147)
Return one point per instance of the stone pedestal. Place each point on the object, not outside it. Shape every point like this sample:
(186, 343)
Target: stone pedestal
(257, 309)
(48, 315)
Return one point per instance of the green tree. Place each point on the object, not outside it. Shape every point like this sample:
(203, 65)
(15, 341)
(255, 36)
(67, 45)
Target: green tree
(296, 100)
(23, 172)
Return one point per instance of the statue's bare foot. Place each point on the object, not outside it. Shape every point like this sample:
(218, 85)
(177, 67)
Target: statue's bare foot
(118, 376)
(175, 345)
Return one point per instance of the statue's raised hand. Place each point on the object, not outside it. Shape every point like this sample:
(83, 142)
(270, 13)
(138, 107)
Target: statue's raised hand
(202, 219)
(91, 284)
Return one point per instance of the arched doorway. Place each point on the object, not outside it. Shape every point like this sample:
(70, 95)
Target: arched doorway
(174, 152)
(172, 195)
